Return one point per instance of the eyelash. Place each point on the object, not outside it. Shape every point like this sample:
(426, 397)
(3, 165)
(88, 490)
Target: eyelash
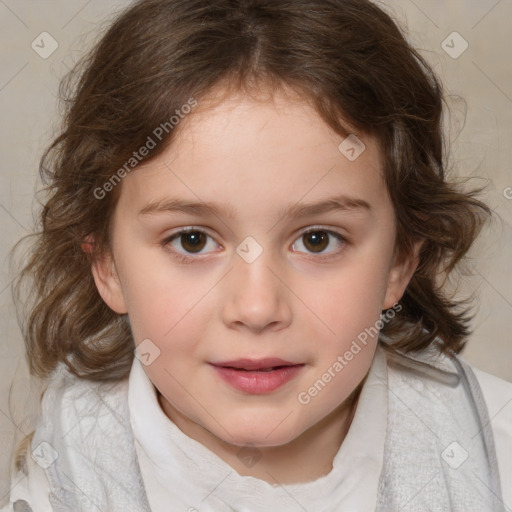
(183, 258)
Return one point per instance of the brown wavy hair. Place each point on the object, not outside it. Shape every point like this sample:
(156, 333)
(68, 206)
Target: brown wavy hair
(347, 58)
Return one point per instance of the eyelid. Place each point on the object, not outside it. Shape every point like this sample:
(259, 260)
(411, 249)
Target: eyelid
(320, 227)
(189, 229)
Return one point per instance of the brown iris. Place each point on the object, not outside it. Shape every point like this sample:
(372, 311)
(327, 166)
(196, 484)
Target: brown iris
(193, 241)
(316, 241)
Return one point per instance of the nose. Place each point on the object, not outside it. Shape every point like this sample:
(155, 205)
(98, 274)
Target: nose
(257, 300)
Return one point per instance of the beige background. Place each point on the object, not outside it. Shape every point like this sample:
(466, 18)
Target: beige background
(481, 144)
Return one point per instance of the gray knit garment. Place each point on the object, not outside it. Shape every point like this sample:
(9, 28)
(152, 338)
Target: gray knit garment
(439, 453)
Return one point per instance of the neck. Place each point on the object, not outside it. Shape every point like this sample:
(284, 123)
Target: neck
(306, 458)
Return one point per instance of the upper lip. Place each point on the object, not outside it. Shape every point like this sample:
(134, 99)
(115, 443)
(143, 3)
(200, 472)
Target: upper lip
(255, 364)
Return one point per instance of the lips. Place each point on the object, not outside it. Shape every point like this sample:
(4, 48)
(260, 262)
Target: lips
(266, 364)
(257, 376)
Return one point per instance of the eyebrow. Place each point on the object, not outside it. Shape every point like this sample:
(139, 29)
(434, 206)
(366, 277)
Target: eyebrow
(297, 211)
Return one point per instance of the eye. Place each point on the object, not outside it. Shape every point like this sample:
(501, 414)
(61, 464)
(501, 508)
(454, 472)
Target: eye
(319, 241)
(189, 241)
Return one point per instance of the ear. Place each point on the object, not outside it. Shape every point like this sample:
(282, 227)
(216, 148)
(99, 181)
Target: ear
(107, 282)
(400, 273)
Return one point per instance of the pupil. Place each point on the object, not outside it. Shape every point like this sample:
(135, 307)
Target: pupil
(193, 241)
(316, 241)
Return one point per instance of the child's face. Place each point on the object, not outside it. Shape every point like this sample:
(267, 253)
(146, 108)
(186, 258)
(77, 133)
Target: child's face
(303, 300)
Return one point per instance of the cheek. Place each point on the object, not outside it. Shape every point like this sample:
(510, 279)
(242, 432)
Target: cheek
(169, 308)
(350, 299)
(350, 306)
(154, 297)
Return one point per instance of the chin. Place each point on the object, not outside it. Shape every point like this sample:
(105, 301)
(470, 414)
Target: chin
(264, 433)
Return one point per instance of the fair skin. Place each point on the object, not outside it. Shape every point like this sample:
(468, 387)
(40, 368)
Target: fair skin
(297, 301)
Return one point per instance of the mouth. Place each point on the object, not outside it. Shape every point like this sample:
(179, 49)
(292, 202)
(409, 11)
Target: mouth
(257, 376)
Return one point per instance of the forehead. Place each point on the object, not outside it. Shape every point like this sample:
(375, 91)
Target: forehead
(276, 120)
(266, 152)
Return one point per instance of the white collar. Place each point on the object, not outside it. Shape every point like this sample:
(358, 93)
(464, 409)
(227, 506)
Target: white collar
(179, 470)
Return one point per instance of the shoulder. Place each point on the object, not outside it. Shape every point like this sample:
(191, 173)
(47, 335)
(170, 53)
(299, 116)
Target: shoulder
(70, 407)
(30, 488)
(497, 394)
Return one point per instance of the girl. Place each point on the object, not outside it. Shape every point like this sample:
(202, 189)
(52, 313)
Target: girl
(238, 298)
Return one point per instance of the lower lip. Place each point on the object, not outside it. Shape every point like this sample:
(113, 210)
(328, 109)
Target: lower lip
(258, 382)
